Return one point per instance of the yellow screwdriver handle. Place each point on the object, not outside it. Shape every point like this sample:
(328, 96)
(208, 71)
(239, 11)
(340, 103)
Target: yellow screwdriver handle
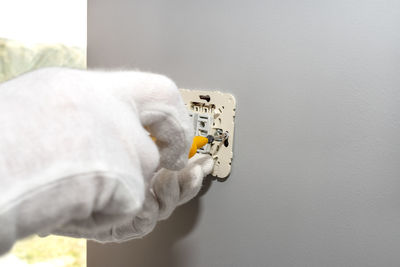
(198, 142)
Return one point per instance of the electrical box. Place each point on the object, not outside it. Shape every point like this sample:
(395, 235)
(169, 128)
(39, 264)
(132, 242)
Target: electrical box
(213, 113)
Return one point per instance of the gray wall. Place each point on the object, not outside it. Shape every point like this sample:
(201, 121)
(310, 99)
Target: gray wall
(316, 171)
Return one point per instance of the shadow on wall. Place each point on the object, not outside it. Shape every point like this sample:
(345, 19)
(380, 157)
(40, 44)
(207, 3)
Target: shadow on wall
(161, 241)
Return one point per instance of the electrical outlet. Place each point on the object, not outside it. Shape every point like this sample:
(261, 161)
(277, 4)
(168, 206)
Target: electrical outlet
(213, 113)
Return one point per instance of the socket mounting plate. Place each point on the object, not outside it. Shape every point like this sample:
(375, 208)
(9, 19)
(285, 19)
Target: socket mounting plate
(213, 113)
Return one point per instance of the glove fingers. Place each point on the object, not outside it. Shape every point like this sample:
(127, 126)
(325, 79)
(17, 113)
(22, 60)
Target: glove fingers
(167, 191)
(190, 184)
(148, 154)
(191, 178)
(103, 199)
(134, 226)
(173, 134)
(139, 226)
(206, 163)
(161, 110)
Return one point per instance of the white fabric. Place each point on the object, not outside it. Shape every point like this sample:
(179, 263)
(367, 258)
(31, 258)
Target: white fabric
(169, 189)
(74, 151)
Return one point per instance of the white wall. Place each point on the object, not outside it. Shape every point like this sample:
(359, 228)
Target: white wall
(44, 21)
(316, 173)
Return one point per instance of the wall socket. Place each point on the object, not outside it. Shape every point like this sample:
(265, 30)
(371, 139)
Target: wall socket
(213, 113)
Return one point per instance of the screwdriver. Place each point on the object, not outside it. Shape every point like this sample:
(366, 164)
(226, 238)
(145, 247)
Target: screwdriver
(198, 142)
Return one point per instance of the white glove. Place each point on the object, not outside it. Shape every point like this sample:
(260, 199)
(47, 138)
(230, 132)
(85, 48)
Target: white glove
(73, 149)
(169, 189)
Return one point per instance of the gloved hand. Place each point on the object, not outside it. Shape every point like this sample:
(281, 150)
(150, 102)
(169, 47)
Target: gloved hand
(74, 151)
(168, 190)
